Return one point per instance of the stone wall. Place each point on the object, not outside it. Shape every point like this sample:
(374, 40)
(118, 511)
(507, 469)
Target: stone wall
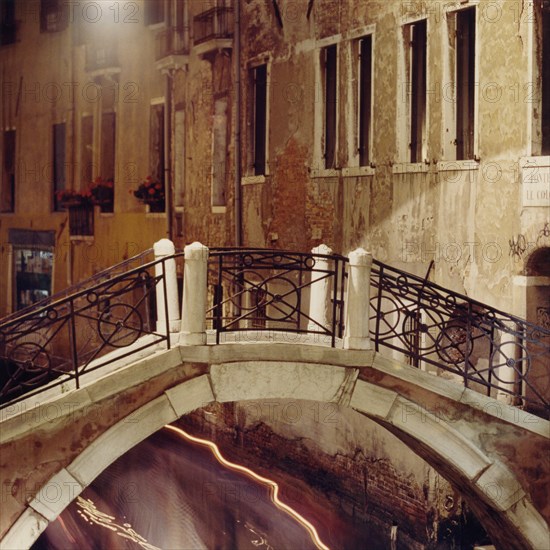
(372, 478)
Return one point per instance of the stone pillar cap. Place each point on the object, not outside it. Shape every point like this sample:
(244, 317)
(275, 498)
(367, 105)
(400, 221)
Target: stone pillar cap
(360, 256)
(322, 249)
(196, 251)
(164, 247)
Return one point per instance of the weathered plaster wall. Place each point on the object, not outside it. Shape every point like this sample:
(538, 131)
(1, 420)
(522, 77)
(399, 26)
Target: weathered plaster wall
(367, 473)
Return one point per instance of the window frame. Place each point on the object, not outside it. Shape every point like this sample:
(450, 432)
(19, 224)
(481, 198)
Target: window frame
(9, 173)
(539, 140)
(249, 173)
(59, 176)
(50, 7)
(449, 128)
(319, 168)
(160, 173)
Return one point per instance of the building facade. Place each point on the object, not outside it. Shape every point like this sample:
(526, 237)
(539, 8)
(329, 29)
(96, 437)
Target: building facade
(419, 130)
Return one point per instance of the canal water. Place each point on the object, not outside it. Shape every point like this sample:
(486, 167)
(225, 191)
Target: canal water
(170, 492)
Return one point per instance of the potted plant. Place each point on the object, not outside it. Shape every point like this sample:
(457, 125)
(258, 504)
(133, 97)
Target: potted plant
(151, 192)
(102, 193)
(69, 198)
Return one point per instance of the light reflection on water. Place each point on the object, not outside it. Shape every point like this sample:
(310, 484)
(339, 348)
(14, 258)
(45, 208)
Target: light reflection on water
(169, 492)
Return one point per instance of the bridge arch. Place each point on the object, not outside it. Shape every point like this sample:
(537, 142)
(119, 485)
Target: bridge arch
(405, 403)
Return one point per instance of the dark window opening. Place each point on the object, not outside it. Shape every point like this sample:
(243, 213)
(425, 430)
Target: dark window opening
(86, 149)
(259, 118)
(8, 24)
(58, 163)
(108, 152)
(545, 80)
(156, 149)
(365, 100)
(330, 75)
(53, 15)
(465, 83)
(7, 191)
(417, 39)
(219, 152)
(154, 11)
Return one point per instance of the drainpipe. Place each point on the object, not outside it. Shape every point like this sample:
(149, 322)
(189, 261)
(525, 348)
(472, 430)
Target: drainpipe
(237, 139)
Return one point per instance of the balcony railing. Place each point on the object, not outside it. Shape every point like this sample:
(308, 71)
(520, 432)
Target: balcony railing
(488, 350)
(101, 57)
(213, 24)
(170, 41)
(81, 220)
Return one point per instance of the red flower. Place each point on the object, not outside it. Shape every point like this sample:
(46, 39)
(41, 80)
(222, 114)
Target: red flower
(151, 191)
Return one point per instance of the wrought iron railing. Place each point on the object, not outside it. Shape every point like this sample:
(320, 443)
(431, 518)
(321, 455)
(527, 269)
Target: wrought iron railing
(213, 24)
(81, 220)
(103, 275)
(60, 342)
(489, 350)
(170, 41)
(424, 324)
(268, 290)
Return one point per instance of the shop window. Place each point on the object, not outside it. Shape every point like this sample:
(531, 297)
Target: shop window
(33, 257)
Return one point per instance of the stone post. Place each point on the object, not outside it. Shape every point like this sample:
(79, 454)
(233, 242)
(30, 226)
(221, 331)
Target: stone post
(162, 249)
(356, 334)
(193, 315)
(507, 377)
(319, 297)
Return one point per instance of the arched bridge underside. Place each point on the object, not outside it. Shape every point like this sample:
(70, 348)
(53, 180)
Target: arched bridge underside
(497, 456)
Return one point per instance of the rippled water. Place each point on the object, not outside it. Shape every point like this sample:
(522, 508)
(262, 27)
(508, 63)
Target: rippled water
(171, 493)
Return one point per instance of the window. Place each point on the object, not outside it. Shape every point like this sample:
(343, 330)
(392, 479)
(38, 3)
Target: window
(156, 143)
(108, 151)
(364, 103)
(154, 11)
(219, 151)
(329, 81)
(8, 25)
(415, 39)
(58, 163)
(86, 149)
(541, 96)
(545, 63)
(53, 15)
(465, 83)
(179, 156)
(7, 191)
(258, 137)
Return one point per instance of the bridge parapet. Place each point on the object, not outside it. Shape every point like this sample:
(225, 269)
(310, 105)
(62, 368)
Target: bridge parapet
(250, 294)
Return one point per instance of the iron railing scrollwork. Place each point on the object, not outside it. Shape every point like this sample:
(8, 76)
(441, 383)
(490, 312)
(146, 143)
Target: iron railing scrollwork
(262, 290)
(491, 351)
(62, 340)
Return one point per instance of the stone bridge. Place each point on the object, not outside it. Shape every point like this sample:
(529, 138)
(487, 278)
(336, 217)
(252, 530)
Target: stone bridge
(56, 441)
